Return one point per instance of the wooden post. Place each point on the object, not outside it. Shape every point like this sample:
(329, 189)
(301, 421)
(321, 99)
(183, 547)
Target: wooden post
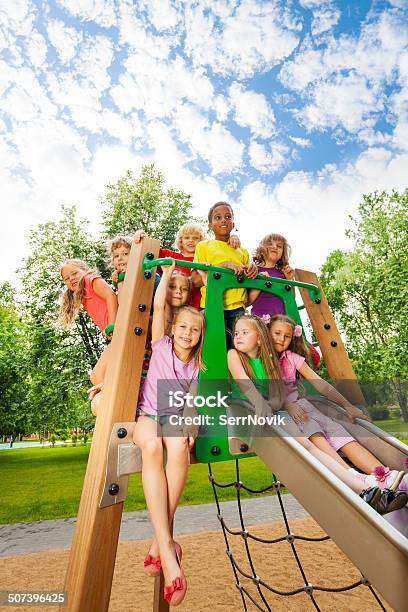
(93, 552)
(325, 329)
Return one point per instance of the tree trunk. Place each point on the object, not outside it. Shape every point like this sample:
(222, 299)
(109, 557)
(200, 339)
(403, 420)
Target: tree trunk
(401, 391)
(85, 336)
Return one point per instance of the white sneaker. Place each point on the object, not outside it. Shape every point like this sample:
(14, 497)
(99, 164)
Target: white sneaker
(384, 478)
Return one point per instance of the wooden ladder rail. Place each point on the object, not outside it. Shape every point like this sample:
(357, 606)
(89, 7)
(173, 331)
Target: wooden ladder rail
(330, 343)
(93, 552)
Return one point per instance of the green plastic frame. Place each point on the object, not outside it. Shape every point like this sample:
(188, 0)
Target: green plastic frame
(213, 446)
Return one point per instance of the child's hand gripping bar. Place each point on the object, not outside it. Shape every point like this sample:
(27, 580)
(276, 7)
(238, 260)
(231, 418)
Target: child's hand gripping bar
(149, 262)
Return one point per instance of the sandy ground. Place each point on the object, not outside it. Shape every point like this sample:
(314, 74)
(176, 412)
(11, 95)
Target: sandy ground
(211, 585)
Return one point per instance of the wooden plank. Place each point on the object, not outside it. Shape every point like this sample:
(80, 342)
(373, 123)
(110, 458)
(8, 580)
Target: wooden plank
(325, 329)
(93, 552)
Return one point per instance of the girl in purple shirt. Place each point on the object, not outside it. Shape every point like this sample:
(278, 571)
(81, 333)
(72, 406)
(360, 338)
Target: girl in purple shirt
(272, 259)
(174, 365)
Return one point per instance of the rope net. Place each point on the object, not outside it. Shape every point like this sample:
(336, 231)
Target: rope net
(244, 579)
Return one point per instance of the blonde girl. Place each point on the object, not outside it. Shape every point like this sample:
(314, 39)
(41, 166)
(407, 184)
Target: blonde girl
(327, 435)
(85, 287)
(176, 359)
(187, 238)
(250, 362)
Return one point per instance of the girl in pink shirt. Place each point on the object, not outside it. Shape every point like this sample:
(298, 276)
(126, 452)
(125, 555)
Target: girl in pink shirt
(160, 431)
(85, 287)
(325, 433)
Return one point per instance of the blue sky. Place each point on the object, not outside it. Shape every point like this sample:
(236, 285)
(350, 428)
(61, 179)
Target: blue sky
(291, 110)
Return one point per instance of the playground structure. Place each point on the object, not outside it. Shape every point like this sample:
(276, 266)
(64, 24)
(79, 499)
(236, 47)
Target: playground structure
(378, 546)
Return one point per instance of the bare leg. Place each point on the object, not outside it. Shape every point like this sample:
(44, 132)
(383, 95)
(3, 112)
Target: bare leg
(176, 474)
(320, 441)
(360, 457)
(96, 400)
(343, 474)
(98, 373)
(155, 489)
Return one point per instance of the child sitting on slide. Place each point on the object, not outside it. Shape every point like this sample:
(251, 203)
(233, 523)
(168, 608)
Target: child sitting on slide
(327, 435)
(250, 362)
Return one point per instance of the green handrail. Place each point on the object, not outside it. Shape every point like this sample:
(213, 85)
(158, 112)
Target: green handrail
(149, 263)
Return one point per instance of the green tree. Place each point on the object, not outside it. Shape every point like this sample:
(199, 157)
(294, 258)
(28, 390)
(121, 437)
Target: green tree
(144, 203)
(13, 379)
(58, 360)
(366, 289)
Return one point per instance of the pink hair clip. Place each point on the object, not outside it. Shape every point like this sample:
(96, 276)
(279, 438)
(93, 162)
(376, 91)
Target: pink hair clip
(297, 331)
(266, 318)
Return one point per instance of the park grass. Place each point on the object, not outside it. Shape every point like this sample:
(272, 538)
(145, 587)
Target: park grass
(394, 424)
(46, 483)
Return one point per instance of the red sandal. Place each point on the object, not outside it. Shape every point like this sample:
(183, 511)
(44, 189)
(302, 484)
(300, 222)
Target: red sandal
(175, 593)
(152, 565)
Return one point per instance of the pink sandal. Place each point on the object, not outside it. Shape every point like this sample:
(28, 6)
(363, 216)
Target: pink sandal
(152, 565)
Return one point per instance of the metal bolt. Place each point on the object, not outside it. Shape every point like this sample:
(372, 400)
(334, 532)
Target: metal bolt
(216, 450)
(149, 256)
(268, 284)
(333, 343)
(142, 307)
(288, 287)
(317, 301)
(122, 432)
(216, 275)
(138, 331)
(240, 279)
(327, 326)
(113, 489)
(243, 448)
(147, 274)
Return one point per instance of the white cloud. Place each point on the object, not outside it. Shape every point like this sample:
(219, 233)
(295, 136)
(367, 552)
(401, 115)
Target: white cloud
(64, 39)
(349, 75)
(17, 16)
(311, 209)
(252, 110)
(162, 14)
(347, 102)
(219, 42)
(134, 33)
(301, 142)
(36, 49)
(268, 159)
(101, 12)
(324, 19)
(173, 83)
(23, 97)
(212, 142)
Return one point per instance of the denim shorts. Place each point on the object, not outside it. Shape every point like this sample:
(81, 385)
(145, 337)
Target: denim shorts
(161, 420)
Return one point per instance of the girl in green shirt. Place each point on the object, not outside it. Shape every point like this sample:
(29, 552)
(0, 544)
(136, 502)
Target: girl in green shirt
(254, 368)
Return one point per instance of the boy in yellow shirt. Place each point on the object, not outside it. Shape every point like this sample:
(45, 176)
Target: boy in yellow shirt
(218, 252)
